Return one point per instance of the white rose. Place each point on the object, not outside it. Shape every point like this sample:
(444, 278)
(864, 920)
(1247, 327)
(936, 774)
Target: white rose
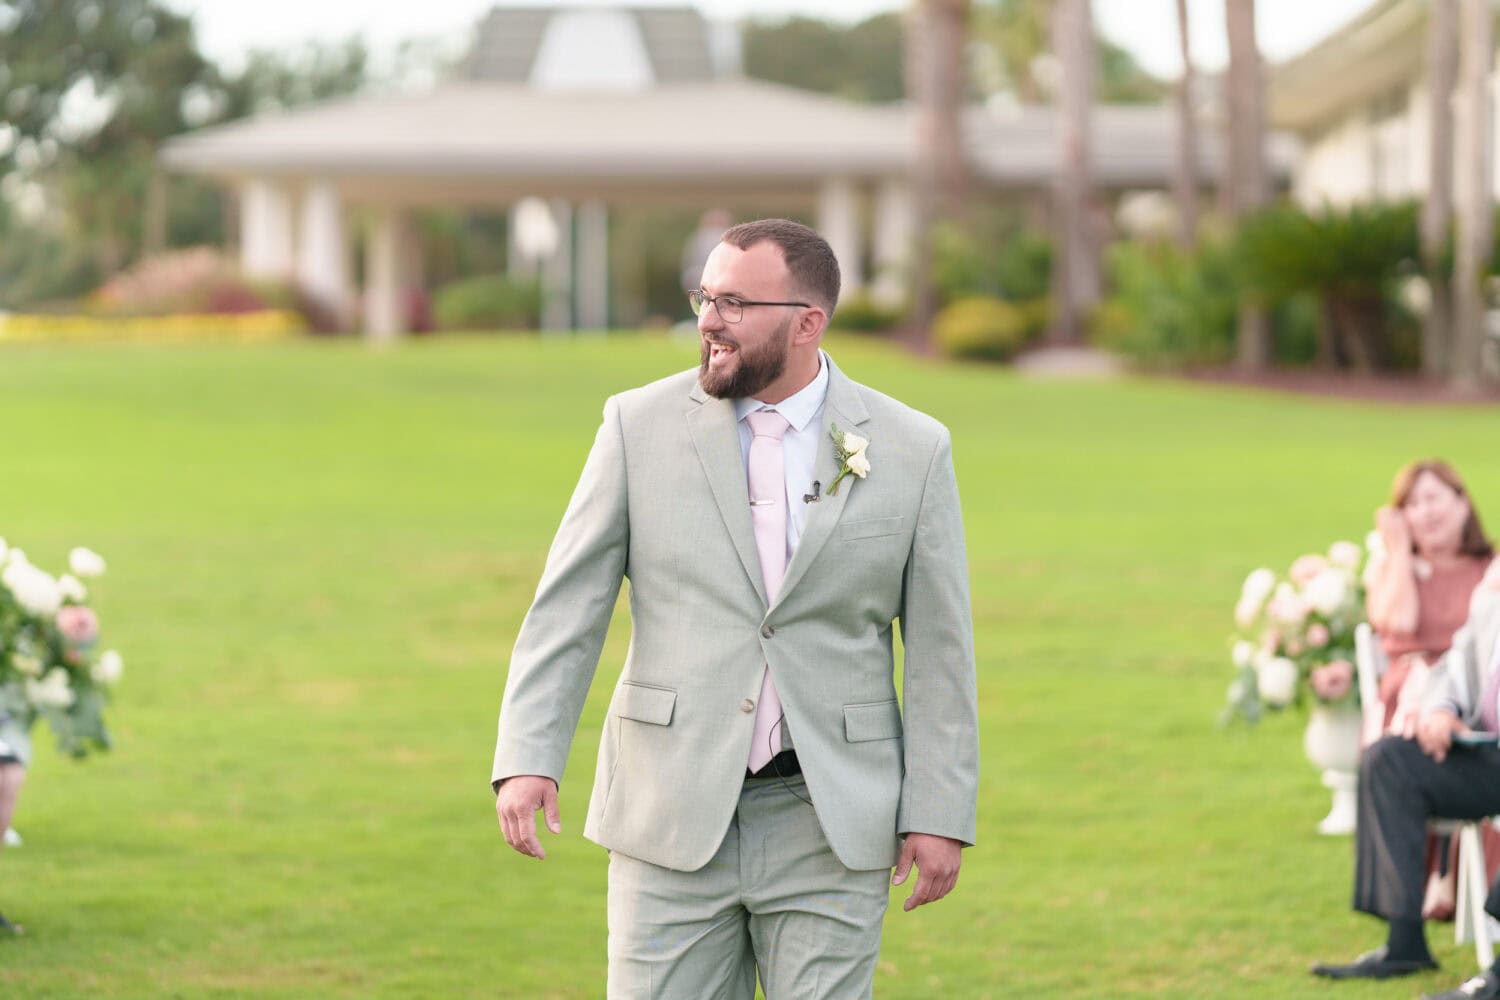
(4, 551)
(72, 588)
(1287, 609)
(1276, 681)
(34, 589)
(859, 464)
(30, 666)
(16, 556)
(1374, 544)
(1243, 654)
(1345, 555)
(51, 691)
(1327, 592)
(109, 668)
(86, 562)
(854, 444)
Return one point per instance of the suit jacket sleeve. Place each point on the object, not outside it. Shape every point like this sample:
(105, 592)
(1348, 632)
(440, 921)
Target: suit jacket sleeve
(557, 650)
(939, 792)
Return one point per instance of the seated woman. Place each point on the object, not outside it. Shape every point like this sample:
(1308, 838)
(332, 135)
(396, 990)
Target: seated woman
(1418, 590)
(1417, 594)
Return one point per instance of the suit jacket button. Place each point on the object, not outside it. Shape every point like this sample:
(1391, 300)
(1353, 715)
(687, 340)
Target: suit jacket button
(767, 631)
(747, 706)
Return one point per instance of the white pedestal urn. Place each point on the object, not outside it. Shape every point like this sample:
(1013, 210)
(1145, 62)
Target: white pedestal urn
(1332, 744)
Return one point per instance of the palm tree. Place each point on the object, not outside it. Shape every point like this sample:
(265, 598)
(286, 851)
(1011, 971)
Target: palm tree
(1075, 272)
(1437, 210)
(1186, 178)
(1475, 197)
(1246, 189)
(937, 32)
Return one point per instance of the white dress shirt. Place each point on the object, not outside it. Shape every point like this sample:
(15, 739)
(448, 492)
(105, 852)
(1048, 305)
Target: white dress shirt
(804, 411)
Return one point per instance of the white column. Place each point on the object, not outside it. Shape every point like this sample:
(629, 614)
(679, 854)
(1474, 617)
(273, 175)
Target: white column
(895, 235)
(557, 272)
(322, 253)
(838, 221)
(267, 248)
(385, 319)
(593, 266)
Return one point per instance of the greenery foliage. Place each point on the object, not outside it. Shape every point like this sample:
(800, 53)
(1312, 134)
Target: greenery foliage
(862, 62)
(1168, 306)
(488, 302)
(1350, 260)
(863, 313)
(981, 328)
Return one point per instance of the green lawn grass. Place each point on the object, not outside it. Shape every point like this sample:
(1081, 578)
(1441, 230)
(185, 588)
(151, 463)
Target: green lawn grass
(320, 555)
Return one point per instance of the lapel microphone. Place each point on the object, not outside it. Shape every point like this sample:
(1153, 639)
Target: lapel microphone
(813, 497)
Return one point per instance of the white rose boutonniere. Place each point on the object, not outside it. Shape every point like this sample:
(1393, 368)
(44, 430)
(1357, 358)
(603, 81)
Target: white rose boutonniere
(849, 451)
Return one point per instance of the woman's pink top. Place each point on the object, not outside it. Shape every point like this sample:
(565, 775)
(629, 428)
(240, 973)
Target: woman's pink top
(1442, 606)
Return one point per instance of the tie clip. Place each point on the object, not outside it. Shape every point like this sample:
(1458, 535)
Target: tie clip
(762, 503)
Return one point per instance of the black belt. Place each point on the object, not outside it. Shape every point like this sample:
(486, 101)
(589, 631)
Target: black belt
(783, 765)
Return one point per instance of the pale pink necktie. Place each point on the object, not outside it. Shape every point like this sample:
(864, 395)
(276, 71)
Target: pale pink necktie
(768, 516)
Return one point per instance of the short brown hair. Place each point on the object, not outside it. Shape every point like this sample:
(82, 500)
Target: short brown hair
(1473, 542)
(809, 258)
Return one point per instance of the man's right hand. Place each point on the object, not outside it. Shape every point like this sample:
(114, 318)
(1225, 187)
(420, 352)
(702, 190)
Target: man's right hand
(1435, 733)
(516, 804)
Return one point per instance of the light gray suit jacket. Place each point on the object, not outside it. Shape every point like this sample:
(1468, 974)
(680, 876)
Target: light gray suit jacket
(663, 502)
(1459, 678)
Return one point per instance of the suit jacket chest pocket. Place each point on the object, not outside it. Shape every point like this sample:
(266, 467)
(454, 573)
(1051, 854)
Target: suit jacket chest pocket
(871, 527)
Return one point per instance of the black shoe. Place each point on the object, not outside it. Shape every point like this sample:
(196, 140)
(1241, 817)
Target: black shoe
(1485, 986)
(6, 927)
(1374, 965)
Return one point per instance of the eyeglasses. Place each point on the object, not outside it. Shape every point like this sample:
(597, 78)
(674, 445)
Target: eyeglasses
(731, 308)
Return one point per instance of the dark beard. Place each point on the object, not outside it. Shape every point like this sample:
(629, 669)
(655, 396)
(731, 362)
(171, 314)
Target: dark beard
(753, 370)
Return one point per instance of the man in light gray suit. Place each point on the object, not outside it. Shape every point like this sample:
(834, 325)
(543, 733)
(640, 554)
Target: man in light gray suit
(757, 777)
(1445, 772)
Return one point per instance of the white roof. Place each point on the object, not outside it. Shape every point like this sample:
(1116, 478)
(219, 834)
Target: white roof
(724, 133)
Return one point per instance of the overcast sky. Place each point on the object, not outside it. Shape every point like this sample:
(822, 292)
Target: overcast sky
(1148, 28)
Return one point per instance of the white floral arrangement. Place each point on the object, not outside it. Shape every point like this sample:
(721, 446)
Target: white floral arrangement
(1295, 635)
(50, 664)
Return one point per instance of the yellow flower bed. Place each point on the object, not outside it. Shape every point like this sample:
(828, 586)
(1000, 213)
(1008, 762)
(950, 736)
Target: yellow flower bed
(267, 324)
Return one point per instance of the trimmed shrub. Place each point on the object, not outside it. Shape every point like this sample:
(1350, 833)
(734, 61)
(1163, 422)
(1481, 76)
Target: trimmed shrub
(488, 302)
(860, 313)
(981, 328)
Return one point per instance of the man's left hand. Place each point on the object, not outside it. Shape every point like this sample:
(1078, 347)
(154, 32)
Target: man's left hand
(937, 860)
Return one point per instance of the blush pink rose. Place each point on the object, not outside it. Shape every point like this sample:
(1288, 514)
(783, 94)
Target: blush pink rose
(1333, 681)
(79, 626)
(1317, 635)
(1307, 567)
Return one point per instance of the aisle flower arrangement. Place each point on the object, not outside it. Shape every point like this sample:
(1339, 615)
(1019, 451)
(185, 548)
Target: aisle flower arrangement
(1295, 634)
(51, 665)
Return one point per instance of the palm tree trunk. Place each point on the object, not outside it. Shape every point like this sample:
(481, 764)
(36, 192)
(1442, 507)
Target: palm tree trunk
(1247, 189)
(1475, 191)
(1437, 210)
(937, 33)
(1075, 274)
(1185, 181)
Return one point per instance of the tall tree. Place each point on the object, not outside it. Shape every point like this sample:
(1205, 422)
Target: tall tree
(937, 34)
(861, 62)
(1475, 192)
(1246, 190)
(1017, 35)
(1075, 274)
(90, 89)
(1185, 179)
(1437, 210)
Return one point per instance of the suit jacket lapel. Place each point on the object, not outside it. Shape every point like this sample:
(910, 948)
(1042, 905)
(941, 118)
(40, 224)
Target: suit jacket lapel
(716, 438)
(845, 408)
